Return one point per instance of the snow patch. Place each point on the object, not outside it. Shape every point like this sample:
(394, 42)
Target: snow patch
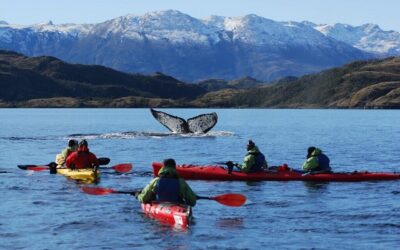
(367, 37)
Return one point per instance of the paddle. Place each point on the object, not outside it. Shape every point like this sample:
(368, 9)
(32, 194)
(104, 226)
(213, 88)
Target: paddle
(230, 165)
(102, 161)
(30, 167)
(121, 168)
(232, 200)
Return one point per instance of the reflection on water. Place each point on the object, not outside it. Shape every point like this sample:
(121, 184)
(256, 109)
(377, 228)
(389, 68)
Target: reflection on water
(254, 183)
(231, 223)
(316, 186)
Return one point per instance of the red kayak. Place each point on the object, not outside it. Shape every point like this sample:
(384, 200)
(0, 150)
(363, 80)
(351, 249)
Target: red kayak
(217, 172)
(177, 215)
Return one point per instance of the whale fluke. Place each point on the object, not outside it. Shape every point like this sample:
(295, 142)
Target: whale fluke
(198, 124)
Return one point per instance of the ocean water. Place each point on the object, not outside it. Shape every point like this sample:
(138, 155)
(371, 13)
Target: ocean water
(43, 211)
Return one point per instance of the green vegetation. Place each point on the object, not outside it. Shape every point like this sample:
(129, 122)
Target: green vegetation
(368, 84)
(49, 82)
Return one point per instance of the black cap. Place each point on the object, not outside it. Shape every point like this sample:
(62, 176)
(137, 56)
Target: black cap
(169, 163)
(83, 143)
(72, 143)
(310, 150)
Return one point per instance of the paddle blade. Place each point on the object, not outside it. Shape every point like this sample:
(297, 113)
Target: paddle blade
(30, 166)
(97, 190)
(37, 168)
(232, 200)
(123, 168)
(25, 167)
(103, 160)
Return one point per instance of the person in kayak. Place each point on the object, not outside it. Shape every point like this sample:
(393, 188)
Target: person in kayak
(82, 158)
(316, 162)
(167, 187)
(62, 157)
(254, 160)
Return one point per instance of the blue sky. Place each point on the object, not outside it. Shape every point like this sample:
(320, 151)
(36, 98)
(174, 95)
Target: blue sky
(385, 13)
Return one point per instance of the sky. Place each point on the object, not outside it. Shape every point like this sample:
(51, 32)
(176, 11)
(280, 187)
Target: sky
(385, 13)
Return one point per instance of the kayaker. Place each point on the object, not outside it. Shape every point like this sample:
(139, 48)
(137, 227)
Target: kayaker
(62, 157)
(82, 158)
(254, 160)
(168, 187)
(316, 161)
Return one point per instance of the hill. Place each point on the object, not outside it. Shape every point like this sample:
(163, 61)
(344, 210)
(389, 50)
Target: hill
(364, 84)
(49, 82)
(218, 84)
(25, 78)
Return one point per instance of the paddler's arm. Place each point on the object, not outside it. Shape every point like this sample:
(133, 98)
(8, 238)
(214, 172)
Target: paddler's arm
(93, 159)
(70, 160)
(248, 161)
(64, 155)
(60, 159)
(187, 193)
(148, 194)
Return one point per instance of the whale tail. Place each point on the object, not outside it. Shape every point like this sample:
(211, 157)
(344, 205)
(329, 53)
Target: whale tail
(198, 124)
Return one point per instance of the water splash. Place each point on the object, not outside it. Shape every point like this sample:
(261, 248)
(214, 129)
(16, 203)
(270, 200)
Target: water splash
(119, 135)
(140, 134)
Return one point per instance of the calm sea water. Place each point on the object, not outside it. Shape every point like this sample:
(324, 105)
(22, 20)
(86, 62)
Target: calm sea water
(43, 211)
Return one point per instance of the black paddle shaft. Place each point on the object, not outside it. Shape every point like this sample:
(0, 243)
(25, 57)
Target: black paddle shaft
(203, 198)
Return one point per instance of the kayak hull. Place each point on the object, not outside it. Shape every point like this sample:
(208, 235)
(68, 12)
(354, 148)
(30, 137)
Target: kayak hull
(219, 173)
(86, 175)
(177, 215)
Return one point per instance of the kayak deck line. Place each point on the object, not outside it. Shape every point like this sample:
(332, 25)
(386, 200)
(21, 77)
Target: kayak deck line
(219, 173)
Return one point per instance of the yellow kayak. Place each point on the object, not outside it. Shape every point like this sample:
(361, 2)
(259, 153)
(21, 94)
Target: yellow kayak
(86, 175)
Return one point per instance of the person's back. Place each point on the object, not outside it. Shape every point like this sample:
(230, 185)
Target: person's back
(62, 157)
(254, 161)
(316, 161)
(82, 158)
(168, 187)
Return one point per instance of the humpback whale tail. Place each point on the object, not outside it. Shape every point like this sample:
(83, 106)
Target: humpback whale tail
(198, 124)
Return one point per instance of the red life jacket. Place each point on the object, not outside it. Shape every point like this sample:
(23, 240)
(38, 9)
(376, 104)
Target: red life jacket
(82, 159)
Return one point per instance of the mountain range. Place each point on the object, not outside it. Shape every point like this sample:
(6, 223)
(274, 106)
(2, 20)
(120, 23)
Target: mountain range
(193, 49)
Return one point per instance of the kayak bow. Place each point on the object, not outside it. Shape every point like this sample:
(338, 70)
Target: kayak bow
(177, 215)
(86, 175)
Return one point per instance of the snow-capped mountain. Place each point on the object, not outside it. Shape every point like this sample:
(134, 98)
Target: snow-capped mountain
(256, 30)
(171, 26)
(367, 37)
(188, 48)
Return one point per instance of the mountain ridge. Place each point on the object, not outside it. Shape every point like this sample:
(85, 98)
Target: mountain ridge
(187, 48)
